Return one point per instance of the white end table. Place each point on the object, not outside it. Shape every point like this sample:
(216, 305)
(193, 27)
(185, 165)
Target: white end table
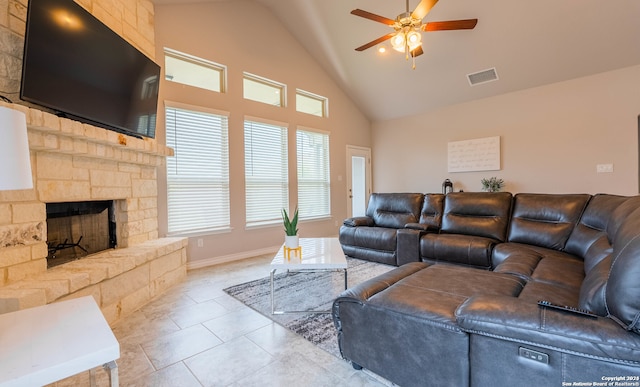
(316, 254)
(48, 343)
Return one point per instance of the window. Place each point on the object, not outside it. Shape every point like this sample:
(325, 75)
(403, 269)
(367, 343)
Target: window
(198, 174)
(193, 71)
(266, 171)
(263, 90)
(311, 103)
(314, 188)
(147, 122)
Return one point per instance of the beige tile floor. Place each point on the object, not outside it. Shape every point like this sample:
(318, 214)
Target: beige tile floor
(197, 335)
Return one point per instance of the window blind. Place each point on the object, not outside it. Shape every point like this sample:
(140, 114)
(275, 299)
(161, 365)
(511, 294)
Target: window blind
(266, 172)
(314, 188)
(198, 174)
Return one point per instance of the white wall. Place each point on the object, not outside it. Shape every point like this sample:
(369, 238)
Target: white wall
(245, 36)
(552, 137)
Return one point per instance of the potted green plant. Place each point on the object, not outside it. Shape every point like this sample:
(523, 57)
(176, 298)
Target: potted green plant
(492, 184)
(290, 229)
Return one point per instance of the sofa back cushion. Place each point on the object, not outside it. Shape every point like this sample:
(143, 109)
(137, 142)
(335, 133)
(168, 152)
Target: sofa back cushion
(545, 220)
(589, 238)
(484, 214)
(592, 291)
(622, 293)
(620, 214)
(394, 210)
(432, 209)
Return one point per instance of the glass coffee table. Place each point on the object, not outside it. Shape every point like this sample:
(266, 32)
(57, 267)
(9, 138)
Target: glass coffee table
(315, 254)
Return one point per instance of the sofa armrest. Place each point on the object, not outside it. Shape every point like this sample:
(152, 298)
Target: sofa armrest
(419, 226)
(359, 221)
(408, 245)
(515, 320)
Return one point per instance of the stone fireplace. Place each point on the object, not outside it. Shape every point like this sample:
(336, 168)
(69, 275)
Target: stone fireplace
(79, 163)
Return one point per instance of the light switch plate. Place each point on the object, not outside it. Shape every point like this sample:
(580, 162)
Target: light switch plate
(604, 168)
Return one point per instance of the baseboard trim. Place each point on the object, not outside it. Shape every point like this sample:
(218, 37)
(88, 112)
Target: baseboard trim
(230, 258)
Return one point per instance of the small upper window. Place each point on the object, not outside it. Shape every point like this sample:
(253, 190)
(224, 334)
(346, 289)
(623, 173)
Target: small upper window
(193, 71)
(263, 90)
(311, 103)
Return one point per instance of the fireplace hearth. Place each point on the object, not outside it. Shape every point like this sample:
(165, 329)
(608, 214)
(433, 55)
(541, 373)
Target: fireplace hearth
(78, 229)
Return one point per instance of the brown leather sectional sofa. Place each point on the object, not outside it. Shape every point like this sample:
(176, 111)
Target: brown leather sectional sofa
(462, 308)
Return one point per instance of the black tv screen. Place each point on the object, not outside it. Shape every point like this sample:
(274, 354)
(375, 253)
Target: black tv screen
(80, 68)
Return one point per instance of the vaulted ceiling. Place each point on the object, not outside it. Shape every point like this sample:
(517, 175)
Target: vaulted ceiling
(530, 43)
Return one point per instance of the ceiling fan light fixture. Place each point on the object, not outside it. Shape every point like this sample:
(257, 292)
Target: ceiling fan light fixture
(399, 41)
(407, 36)
(414, 40)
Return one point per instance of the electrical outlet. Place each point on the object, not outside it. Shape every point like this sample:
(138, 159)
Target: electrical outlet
(200, 242)
(604, 168)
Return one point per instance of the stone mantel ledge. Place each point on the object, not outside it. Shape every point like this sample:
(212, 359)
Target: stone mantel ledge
(121, 280)
(51, 133)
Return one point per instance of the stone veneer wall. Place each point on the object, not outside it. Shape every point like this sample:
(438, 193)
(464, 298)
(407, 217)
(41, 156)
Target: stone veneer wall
(72, 161)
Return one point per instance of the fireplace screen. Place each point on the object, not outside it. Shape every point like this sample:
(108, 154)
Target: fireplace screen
(75, 230)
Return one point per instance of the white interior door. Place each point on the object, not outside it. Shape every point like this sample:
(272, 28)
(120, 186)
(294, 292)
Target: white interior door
(358, 180)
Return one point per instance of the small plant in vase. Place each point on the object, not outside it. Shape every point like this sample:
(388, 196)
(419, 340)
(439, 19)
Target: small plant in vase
(492, 184)
(290, 229)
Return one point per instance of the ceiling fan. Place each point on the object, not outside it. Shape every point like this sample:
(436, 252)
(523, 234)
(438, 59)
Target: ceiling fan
(407, 26)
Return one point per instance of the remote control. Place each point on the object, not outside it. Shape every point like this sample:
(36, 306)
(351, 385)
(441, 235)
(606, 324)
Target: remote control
(565, 308)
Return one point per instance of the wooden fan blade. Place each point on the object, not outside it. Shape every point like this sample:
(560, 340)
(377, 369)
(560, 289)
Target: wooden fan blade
(372, 16)
(417, 52)
(466, 24)
(423, 9)
(374, 42)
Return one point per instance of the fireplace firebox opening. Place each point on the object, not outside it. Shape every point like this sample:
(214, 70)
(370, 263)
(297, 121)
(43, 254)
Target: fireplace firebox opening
(78, 229)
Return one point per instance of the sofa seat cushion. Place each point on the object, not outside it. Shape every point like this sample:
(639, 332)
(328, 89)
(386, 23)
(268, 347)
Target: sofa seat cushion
(516, 259)
(523, 260)
(435, 292)
(566, 272)
(462, 249)
(561, 295)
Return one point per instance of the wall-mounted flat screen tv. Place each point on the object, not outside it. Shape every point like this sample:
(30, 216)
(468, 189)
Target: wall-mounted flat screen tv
(81, 69)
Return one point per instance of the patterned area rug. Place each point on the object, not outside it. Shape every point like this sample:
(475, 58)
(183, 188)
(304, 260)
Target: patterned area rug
(306, 291)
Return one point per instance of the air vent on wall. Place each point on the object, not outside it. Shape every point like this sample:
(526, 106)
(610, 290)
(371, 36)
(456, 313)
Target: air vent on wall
(483, 76)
